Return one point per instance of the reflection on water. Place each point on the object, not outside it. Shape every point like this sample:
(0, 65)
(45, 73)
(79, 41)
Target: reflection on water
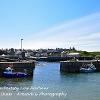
(78, 86)
(15, 82)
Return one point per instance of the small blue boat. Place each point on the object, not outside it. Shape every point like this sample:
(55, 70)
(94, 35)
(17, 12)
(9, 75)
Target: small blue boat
(88, 68)
(8, 73)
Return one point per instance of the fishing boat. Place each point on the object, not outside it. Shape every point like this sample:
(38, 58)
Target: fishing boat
(9, 73)
(88, 68)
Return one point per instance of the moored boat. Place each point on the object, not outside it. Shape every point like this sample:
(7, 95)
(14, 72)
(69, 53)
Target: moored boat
(8, 73)
(88, 68)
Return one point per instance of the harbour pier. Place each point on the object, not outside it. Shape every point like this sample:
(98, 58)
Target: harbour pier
(23, 66)
(74, 66)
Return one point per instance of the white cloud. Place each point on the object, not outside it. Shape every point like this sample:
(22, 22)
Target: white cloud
(83, 33)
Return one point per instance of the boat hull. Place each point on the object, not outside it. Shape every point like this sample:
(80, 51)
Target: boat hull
(87, 71)
(14, 75)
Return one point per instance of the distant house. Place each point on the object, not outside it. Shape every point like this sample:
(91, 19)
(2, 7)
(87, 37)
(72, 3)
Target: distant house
(63, 54)
(18, 54)
(54, 54)
(44, 54)
(27, 54)
(38, 54)
(73, 55)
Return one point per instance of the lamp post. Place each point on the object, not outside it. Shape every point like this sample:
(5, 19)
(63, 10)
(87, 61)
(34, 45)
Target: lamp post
(21, 44)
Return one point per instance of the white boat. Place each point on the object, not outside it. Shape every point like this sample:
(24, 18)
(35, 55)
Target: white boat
(8, 73)
(88, 68)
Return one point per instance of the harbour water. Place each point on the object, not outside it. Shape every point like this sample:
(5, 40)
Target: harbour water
(48, 83)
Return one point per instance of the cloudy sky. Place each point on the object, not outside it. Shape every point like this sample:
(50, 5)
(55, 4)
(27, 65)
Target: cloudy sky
(50, 24)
